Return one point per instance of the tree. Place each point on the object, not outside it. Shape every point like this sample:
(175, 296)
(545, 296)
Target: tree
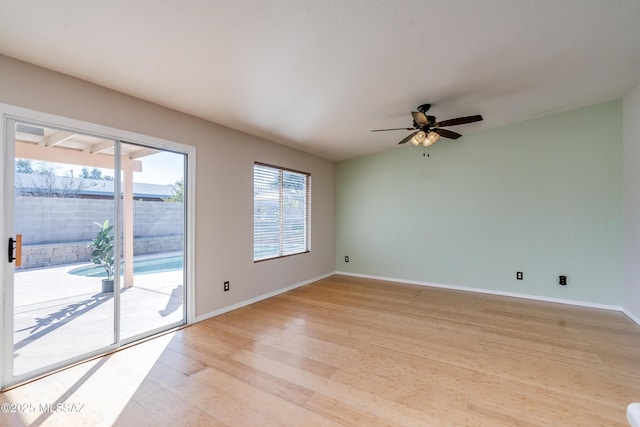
(95, 174)
(177, 190)
(44, 182)
(24, 166)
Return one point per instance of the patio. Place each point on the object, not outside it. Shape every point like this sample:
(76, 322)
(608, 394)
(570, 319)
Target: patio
(59, 315)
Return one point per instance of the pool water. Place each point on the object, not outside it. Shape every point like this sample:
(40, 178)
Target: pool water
(140, 266)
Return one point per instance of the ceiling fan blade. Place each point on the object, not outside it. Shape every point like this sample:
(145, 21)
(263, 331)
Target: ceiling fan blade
(446, 133)
(420, 118)
(411, 135)
(458, 121)
(383, 130)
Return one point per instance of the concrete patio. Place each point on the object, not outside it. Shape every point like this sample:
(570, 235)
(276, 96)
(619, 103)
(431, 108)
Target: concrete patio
(59, 315)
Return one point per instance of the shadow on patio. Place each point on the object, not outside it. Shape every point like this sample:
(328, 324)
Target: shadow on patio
(60, 316)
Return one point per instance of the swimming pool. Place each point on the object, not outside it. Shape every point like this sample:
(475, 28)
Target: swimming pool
(141, 265)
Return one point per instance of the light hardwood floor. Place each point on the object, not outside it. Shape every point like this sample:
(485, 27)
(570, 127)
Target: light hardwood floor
(348, 351)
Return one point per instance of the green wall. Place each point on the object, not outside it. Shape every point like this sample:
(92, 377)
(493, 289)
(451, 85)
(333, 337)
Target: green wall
(542, 196)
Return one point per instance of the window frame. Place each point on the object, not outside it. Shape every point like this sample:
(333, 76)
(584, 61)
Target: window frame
(307, 213)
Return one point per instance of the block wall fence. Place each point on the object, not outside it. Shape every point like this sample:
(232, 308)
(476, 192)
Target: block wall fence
(56, 231)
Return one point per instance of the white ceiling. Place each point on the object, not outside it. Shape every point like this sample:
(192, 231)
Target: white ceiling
(318, 75)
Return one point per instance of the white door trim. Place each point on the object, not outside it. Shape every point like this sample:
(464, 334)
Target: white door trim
(6, 189)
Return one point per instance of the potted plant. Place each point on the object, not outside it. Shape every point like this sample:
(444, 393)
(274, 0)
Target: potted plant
(102, 253)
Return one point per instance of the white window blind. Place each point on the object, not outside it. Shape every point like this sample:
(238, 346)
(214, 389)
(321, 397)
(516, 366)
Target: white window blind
(280, 212)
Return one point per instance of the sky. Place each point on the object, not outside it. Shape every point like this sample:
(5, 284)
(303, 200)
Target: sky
(161, 168)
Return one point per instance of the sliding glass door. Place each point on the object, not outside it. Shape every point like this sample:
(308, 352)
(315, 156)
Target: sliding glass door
(97, 245)
(153, 275)
(58, 314)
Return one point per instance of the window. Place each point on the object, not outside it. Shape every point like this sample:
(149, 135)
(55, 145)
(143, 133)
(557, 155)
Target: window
(280, 212)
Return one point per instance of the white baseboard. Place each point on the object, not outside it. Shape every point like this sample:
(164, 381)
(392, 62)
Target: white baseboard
(631, 316)
(259, 298)
(490, 292)
(223, 310)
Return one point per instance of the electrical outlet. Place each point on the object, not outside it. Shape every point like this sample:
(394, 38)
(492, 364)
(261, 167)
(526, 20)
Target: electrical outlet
(519, 275)
(226, 286)
(346, 259)
(562, 281)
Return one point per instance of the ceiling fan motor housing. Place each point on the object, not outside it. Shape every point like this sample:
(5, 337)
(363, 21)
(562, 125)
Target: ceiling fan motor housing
(427, 130)
(424, 108)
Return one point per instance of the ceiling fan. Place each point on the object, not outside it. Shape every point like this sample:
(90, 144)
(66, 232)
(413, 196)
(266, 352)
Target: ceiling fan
(427, 130)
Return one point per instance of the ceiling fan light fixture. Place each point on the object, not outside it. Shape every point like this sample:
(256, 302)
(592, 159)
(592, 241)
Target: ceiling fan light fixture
(426, 130)
(431, 139)
(419, 138)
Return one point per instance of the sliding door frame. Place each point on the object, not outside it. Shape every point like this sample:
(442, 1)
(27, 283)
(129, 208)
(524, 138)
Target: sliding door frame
(8, 114)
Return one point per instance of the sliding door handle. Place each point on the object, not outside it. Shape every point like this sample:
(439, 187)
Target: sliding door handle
(15, 246)
(12, 247)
